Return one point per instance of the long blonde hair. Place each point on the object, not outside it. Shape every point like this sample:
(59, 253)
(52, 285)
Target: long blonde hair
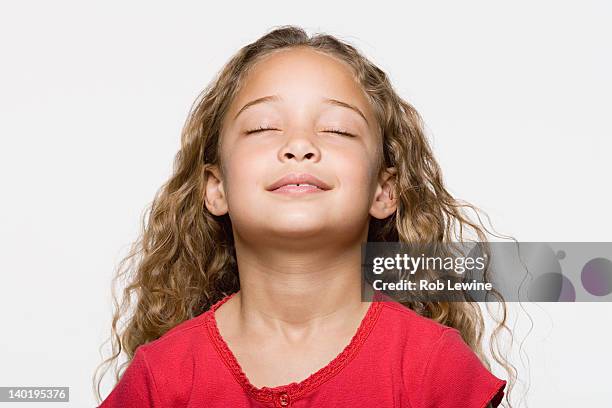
(184, 260)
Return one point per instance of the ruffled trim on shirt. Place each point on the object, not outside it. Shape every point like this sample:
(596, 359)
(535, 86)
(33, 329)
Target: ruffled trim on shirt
(294, 389)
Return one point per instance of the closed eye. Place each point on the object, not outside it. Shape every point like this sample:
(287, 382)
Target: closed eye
(337, 131)
(340, 132)
(259, 129)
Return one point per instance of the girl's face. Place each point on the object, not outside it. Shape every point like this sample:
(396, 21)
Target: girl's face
(298, 85)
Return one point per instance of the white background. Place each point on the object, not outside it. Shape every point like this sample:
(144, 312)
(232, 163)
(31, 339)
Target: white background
(515, 96)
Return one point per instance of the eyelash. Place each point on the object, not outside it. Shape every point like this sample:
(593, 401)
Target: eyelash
(332, 130)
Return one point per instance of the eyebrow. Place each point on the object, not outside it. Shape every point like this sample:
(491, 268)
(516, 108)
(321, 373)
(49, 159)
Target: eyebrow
(275, 98)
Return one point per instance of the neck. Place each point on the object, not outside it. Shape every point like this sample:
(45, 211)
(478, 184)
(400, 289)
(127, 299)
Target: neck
(298, 291)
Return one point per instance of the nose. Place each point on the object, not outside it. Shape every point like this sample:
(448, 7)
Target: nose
(300, 147)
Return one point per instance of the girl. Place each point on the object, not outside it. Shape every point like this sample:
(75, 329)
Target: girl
(249, 287)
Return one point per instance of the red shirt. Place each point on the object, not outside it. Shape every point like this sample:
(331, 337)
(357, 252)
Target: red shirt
(397, 358)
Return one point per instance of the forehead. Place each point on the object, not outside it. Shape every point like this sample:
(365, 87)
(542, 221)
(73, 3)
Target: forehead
(303, 77)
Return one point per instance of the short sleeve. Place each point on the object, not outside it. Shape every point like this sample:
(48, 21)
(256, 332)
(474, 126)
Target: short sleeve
(136, 387)
(455, 377)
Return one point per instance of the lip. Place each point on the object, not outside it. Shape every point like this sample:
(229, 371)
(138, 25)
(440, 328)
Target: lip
(299, 178)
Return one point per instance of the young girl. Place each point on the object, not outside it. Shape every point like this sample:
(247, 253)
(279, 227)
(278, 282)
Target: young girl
(249, 285)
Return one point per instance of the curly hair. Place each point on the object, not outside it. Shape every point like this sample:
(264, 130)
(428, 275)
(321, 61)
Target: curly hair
(184, 258)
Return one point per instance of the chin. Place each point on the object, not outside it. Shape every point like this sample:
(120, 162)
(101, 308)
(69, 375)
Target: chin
(296, 227)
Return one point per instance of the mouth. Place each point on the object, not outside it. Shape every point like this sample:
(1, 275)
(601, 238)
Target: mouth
(298, 183)
(297, 189)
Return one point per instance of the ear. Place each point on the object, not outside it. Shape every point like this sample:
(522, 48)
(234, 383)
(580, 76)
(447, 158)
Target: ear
(385, 198)
(214, 196)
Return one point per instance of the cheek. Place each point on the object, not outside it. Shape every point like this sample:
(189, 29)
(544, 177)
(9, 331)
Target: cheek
(354, 171)
(246, 171)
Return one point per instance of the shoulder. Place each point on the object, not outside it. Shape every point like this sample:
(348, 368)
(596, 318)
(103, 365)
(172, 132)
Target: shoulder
(172, 358)
(181, 346)
(176, 347)
(161, 371)
(404, 313)
(413, 338)
(439, 368)
(406, 325)
(180, 338)
(454, 375)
